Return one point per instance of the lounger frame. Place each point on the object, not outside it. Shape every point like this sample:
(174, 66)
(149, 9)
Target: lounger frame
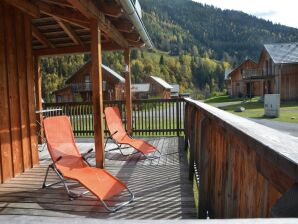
(72, 195)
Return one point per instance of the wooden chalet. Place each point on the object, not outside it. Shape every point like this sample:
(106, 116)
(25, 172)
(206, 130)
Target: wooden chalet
(237, 87)
(159, 88)
(275, 72)
(78, 87)
(278, 67)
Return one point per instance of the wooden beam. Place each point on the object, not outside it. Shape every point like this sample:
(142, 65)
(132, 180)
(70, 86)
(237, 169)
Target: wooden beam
(38, 96)
(128, 99)
(125, 27)
(88, 9)
(13, 91)
(64, 14)
(30, 89)
(40, 37)
(66, 27)
(96, 73)
(63, 3)
(5, 131)
(75, 49)
(23, 92)
(25, 6)
(132, 37)
(111, 10)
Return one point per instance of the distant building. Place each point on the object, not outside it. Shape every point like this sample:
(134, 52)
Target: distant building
(159, 88)
(79, 86)
(275, 72)
(140, 91)
(237, 86)
(175, 91)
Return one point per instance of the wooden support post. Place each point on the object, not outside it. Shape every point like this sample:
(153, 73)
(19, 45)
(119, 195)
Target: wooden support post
(128, 100)
(38, 97)
(97, 93)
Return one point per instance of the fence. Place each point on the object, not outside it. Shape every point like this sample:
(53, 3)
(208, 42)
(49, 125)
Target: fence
(150, 117)
(246, 170)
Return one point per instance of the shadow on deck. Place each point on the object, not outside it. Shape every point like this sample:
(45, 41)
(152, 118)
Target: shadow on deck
(161, 187)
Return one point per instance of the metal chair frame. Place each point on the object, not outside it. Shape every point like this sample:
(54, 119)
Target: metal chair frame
(119, 147)
(72, 195)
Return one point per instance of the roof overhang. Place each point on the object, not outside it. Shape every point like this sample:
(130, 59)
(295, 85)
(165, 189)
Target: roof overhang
(63, 26)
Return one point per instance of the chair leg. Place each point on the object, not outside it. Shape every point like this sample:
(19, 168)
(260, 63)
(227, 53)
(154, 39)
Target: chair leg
(116, 208)
(70, 194)
(153, 157)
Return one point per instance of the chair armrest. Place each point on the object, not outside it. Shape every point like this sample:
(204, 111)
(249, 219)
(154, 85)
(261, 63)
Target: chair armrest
(84, 156)
(57, 160)
(113, 134)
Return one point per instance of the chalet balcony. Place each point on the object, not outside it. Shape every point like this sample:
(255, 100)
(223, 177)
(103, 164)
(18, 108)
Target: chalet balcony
(240, 168)
(248, 74)
(81, 87)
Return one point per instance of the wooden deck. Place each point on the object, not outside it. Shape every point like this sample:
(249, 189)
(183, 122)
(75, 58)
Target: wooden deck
(161, 187)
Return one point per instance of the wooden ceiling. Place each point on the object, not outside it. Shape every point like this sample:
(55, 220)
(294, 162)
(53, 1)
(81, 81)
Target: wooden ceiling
(62, 26)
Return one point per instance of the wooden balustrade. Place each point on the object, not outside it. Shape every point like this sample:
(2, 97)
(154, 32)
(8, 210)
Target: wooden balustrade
(150, 117)
(243, 167)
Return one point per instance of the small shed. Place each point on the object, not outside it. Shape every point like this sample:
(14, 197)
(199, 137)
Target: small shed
(175, 91)
(140, 91)
(159, 88)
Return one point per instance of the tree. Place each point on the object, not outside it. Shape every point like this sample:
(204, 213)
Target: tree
(161, 61)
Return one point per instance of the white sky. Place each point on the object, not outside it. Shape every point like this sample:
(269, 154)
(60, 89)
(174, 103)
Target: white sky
(278, 11)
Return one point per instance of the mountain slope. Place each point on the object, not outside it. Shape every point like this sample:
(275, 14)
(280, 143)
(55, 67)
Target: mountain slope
(179, 25)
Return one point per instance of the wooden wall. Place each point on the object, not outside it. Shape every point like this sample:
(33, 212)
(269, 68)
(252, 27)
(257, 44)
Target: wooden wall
(289, 82)
(244, 167)
(18, 139)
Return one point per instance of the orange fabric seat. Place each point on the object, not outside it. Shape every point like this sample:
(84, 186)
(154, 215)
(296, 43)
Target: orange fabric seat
(120, 136)
(71, 165)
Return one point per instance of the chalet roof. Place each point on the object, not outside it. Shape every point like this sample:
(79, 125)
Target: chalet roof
(60, 27)
(138, 88)
(162, 82)
(113, 73)
(104, 67)
(176, 88)
(227, 73)
(239, 66)
(283, 53)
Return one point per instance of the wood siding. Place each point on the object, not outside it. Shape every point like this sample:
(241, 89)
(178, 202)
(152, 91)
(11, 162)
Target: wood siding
(242, 173)
(289, 82)
(238, 85)
(17, 125)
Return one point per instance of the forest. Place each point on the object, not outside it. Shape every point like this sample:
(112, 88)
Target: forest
(194, 45)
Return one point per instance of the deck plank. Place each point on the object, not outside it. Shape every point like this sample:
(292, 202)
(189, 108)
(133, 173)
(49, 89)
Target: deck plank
(162, 189)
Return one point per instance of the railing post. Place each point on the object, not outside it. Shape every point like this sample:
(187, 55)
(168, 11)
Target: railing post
(178, 116)
(192, 133)
(186, 127)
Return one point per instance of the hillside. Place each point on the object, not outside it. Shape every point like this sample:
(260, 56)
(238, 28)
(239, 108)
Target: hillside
(194, 43)
(179, 25)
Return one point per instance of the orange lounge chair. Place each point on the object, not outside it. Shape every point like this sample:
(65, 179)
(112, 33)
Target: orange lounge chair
(120, 137)
(68, 163)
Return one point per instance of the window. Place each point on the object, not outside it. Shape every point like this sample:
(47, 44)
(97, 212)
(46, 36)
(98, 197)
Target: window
(87, 78)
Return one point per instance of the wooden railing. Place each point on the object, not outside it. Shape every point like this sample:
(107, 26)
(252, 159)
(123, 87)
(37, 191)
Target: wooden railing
(150, 117)
(242, 167)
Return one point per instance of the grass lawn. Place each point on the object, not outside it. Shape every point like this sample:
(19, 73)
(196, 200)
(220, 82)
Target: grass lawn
(221, 99)
(288, 111)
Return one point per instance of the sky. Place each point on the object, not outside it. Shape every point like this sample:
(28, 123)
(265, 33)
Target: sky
(277, 11)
